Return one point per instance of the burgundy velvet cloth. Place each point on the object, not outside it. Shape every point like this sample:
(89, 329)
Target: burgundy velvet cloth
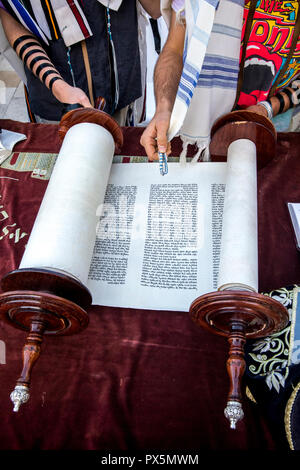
(137, 379)
(279, 183)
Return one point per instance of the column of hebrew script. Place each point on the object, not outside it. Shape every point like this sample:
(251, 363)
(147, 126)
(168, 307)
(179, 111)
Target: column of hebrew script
(158, 238)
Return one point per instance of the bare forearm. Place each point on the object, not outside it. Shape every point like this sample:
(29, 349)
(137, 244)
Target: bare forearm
(166, 79)
(169, 67)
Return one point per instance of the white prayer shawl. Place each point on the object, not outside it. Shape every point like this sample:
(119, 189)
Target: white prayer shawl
(207, 88)
(71, 30)
(68, 23)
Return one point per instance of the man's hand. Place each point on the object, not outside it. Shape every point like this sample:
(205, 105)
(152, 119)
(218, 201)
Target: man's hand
(68, 94)
(258, 109)
(154, 138)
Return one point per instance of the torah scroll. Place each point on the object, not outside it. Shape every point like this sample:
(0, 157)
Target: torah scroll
(64, 232)
(162, 246)
(239, 253)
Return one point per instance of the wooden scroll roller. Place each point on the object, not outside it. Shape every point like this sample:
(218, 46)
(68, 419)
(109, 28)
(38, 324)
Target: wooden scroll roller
(236, 310)
(47, 294)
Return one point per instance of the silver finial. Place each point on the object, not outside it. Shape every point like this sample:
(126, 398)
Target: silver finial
(233, 412)
(19, 396)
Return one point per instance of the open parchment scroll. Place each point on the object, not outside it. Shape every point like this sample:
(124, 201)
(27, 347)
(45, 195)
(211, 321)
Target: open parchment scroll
(137, 239)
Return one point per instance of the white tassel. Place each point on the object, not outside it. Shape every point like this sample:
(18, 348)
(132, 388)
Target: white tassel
(202, 153)
(206, 155)
(197, 155)
(116, 74)
(182, 157)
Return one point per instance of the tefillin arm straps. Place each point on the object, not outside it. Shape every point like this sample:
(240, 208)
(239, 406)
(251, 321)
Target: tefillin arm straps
(30, 51)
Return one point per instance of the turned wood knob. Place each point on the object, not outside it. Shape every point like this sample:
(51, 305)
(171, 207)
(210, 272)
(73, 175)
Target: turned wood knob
(31, 353)
(238, 315)
(55, 306)
(236, 366)
(95, 116)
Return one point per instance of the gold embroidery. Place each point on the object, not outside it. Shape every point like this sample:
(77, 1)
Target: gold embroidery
(270, 356)
(287, 416)
(250, 396)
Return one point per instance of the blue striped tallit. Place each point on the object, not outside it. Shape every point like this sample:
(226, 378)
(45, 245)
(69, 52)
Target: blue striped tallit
(208, 82)
(69, 15)
(26, 19)
(40, 17)
(219, 71)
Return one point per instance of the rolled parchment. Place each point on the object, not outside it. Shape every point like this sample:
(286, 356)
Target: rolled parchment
(64, 232)
(239, 246)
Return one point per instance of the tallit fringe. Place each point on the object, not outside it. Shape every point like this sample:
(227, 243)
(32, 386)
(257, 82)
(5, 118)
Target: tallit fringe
(202, 152)
(117, 92)
(182, 156)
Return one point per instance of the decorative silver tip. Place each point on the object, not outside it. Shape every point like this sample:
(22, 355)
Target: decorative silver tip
(19, 396)
(233, 412)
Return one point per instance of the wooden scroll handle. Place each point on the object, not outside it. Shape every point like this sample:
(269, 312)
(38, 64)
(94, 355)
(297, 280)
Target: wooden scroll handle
(238, 315)
(93, 115)
(55, 305)
(236, 367)
(243, 124)
(39, 313)
(31, 353)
